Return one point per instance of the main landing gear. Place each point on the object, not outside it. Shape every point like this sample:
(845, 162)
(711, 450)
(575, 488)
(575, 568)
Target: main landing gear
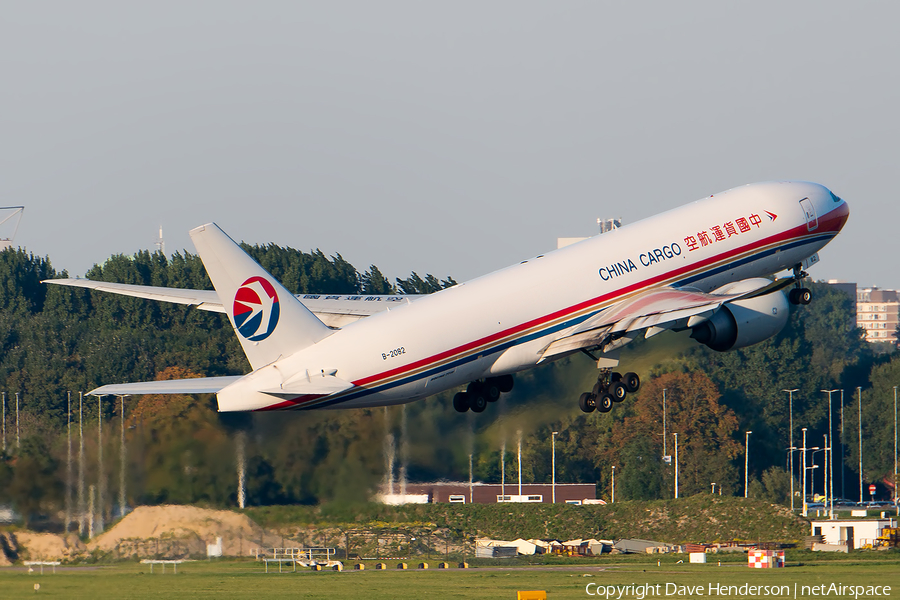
(799, 295)
(610, 387)
(479, 393)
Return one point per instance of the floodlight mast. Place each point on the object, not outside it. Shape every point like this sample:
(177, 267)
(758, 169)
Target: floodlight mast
(746, 460)
(859, 409)
(791, 440)
(553, 444)
(613, 484)
(676, 465)
(895, 446)
(829, 470)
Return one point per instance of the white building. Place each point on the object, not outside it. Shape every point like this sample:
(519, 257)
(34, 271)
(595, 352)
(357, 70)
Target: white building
(850, 533)
(878, 312)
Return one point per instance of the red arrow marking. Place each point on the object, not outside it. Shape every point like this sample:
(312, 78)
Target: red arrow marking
(772, 216)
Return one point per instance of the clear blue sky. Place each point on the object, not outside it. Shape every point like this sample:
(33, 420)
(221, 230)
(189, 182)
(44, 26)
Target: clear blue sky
(452, 138)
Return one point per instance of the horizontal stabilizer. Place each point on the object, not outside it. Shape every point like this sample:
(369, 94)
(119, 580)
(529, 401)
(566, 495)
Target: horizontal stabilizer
(200, 385)
(202, 299)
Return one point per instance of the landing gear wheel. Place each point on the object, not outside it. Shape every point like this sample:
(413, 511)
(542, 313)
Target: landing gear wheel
(617, 391)
(478, 403)
(505, 383)
(799, 296)
(598, 389)
(632, 382)
(604, 402)
(491, 391)
(615, 377)
(587, 402)
(461, 402)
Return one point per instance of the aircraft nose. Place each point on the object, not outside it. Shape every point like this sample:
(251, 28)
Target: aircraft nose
(836, 218)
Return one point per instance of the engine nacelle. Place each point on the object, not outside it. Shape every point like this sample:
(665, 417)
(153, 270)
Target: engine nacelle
(743, 322)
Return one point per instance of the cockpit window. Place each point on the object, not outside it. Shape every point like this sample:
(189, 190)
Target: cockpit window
(835, 198)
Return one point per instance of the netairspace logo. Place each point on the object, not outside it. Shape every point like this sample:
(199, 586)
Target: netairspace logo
(663, 590)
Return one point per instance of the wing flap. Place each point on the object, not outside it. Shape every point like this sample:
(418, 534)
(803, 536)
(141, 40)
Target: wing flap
(654, 310)
(200, 385)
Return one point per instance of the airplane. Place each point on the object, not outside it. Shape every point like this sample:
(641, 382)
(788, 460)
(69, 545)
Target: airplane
(707, 267)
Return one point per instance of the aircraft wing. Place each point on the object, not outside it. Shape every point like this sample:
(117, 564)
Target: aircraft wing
(333, 310)
(653, 311)
(200, 385)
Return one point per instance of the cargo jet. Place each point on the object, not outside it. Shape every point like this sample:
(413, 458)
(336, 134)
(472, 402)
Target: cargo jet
(706, 267)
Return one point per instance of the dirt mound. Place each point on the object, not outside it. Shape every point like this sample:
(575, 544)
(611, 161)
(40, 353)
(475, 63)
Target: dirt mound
(48, 546)
(9, 549)
(178, 531)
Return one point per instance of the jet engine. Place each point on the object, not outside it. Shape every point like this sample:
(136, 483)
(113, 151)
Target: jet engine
(743, 322)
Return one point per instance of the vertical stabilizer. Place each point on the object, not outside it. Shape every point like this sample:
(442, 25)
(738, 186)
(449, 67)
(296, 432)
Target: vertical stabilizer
(268, 320)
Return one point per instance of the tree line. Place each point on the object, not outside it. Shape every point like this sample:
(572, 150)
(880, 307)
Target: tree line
(180, 450)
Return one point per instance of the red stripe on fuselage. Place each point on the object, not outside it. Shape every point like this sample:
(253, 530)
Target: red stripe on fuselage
(292, 403)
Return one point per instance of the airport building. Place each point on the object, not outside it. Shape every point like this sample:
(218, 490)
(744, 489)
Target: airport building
(843, 535)
(878, 312)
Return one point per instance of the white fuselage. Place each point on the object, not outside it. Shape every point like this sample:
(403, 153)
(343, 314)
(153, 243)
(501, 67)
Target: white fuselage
(500, 323)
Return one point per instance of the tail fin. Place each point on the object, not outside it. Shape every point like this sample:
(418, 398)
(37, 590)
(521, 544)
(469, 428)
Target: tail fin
(268, 320)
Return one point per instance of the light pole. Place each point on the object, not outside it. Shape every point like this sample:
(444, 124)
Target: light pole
(829, 469)
(81, 506)
(895, 445)
(843, 493)
(553, 444)
(122, 457)
(664, 423)
(101, 478)
(827, 449)
(614, 483)
(746, 460)
(859, 409)
(68, 462)
(815, 450)
(803, 459)
(519, 432)
(791, 440)
(676, 465)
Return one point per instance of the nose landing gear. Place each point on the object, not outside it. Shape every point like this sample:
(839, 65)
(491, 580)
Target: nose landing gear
(610, 388)
(799, 295)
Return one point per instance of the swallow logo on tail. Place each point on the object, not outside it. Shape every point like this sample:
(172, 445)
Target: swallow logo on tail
(256, 309)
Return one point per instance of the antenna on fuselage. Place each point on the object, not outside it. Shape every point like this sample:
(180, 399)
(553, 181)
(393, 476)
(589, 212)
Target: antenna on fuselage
(607, 225)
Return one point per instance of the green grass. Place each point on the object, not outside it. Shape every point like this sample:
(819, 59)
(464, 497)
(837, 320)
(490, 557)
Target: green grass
(247, 579)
